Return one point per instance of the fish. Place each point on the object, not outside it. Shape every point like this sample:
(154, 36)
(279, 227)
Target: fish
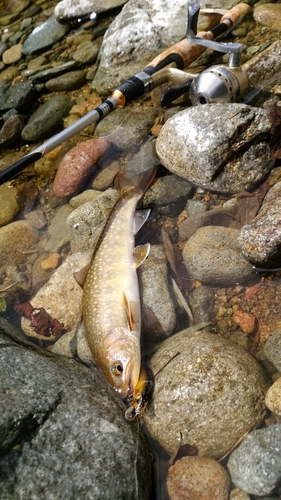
(111, 307)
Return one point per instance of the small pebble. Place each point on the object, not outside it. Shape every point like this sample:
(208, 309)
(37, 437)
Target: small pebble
(51, 262)
(13, 54)
(273, 397)
(246, 321)
(197, 478)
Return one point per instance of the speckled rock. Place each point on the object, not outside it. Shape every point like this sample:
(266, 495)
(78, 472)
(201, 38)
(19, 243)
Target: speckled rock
(255, 466)
(260, 240)
(238, 494)
(264, 66)
(197, 478)
(63, 433)
(213, 255)
(15, 239)
(61, 296)
(272, 349)
(273, 397)
(268, 15)
(20, 96)
(158, 309)
(221, 147)
(77, 165)
(207, 380)
(86, 222)
(47, 118)
(9, 205)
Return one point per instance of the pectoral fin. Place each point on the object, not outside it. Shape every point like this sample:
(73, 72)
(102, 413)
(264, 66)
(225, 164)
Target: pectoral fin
(140, 254)
(140, 218)
(129, 313)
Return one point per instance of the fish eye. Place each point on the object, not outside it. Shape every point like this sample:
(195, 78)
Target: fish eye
(117, 369)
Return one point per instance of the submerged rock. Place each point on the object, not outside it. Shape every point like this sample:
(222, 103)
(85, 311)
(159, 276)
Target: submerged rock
(260, 240)
(207, 383)
(197, 478)
(255, 466)
(221, 147)
(63, 433)
(44, 35)
(212, 255)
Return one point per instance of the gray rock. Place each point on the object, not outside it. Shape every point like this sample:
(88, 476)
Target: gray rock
(127, 130)
(44, 35)
(71, 438)
(86, 52)
(86, 222)
(158, 309)
(272, 349)
(47, 118)
(46, 74)
(139, 33)
(11, 130)
(20, 96)
(212, 255)
(255, 466)
(221, 147)
(202, 303)
(260, 240)
(169, 194)
(207, 381)
(69, 81)
(72, 9)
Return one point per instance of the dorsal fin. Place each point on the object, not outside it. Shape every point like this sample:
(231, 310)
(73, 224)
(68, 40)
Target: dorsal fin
(131, 319)
(140, 182)
(140, 254)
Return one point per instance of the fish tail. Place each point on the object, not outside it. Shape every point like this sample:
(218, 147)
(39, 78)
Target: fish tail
(139, 182)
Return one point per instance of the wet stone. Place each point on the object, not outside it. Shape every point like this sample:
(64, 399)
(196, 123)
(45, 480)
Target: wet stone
(273, 397)
(268, 15)
(13, 54)
(202, 301)
(212, 255)
(198, 478)
(158, 310)
(272, 349)
(221, 147)
(47, 118)
(86, 52)
(44, 35)
(255, 466)
(15, 239)
(169, 194)
(86, 222)
(260, 240)
(9, 206)
(69, 81)
(48, 73)
(20, 96)
(207, 380)
(71, 437)
(11, 130)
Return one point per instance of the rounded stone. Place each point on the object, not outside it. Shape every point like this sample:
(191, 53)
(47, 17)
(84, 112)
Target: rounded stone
(197, 478)
(207, 390)
(9, 205)
(212, 255)
(268, 15)
(15, 239)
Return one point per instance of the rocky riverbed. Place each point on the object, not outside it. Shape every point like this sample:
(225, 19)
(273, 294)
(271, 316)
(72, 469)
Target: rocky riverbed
(210, 287)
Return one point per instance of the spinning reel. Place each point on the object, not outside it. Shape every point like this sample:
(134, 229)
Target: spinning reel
(219, 83)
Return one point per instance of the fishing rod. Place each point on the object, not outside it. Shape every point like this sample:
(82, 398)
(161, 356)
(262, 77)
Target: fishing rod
(177, 57)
